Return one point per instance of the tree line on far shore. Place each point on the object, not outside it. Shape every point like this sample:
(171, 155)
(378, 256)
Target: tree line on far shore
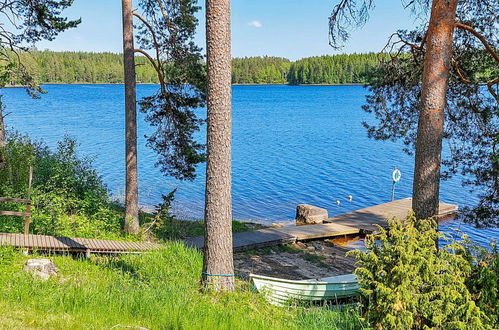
(326, 69)
(88, 67)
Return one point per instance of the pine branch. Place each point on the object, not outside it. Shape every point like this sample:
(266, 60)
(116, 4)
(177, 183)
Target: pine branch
(481, 38)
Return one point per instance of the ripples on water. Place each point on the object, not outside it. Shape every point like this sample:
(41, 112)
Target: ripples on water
(291, 145)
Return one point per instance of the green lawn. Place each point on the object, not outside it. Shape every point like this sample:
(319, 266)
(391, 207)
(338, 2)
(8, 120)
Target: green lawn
(158, 290)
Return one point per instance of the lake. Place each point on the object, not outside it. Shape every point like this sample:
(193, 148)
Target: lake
(291, 145)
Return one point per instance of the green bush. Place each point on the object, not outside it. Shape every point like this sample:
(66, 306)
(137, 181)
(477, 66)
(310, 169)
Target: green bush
(68, 196)
(167, 227)
(408, 283)
(483, 282)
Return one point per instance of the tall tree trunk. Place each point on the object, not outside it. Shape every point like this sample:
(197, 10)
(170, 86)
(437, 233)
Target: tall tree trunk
(131, 186)
(3, 141)
(437, 60)
(218, 268)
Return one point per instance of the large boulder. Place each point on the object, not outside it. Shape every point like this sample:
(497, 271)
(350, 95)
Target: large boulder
(309, 214)
(42, 268)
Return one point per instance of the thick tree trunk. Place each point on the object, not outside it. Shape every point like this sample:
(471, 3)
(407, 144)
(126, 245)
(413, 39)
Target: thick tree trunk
(218, 268)
(3, 141)
(131, 185)
(431, 118)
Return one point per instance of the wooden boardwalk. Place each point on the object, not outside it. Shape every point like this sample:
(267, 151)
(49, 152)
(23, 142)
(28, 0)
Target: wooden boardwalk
(67, 244)
(360, 221)
(356, 222)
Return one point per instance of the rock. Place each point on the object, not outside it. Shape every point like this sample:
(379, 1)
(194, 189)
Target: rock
(310, 248)
(300, 245)
(318, 247)
(309, 214)
(43, 268)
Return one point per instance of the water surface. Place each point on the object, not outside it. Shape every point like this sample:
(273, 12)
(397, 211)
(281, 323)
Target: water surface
(291, 145)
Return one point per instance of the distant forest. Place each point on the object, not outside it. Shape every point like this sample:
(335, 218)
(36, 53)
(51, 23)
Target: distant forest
(330, 69)
(86, 67)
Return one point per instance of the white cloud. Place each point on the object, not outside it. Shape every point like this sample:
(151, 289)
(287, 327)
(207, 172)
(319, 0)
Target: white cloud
(256, 24)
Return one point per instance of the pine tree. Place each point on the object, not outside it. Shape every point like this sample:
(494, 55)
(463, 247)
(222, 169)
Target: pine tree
(218, 267)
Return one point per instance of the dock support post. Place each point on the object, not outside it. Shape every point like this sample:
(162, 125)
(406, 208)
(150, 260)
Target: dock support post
(27, 218)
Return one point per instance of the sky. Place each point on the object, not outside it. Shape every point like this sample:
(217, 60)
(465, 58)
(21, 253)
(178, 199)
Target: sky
(288, 28)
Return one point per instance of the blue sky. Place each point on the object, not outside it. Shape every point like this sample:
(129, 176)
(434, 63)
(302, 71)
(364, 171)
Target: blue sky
(287, 28)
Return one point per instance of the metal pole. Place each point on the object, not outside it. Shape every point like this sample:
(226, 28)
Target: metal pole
(393, 190)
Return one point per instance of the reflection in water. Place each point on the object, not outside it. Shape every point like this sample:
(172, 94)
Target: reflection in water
(453, 229)
(349, 241)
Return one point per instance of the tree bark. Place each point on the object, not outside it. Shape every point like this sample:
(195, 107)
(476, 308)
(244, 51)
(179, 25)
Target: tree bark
(218, 267)
(131, 181)
(3, 141)
(437, 62)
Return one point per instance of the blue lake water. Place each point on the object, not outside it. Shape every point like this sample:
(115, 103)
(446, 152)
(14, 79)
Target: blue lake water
(291, 145)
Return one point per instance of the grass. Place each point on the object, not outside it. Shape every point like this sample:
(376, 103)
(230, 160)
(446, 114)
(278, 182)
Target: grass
(158, 290)
(319, 260)
(176, 229)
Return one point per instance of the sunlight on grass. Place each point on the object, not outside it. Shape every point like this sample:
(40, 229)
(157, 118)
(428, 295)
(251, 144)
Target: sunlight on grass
(154, 290)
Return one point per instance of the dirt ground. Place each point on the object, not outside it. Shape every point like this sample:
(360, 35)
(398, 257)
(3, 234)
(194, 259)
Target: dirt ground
(301, 260)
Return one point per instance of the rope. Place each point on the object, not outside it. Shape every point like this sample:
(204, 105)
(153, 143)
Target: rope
(222, 275)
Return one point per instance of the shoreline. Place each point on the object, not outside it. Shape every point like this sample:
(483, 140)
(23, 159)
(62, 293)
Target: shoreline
(287, 84)
(234, 84)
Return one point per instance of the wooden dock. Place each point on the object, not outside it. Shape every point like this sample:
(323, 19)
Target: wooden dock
(356, 222)
(75, 245)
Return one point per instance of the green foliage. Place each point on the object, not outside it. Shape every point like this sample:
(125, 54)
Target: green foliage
(29, 22)
(483, 282)
(182, 76)
(260, 70)
(337, 69)
(166, 227)
(68, 196)
(86, 67)
(7, 255)
(157, 290)
(407, 283)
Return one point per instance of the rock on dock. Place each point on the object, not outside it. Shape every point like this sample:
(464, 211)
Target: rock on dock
(309, 214)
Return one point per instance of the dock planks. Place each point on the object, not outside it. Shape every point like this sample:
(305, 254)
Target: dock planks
(67, 244)
(356, 222)
(359, 221)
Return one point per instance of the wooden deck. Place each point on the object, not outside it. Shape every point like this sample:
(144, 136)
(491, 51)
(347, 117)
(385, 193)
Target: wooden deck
(360, 221)
(67, 244)
(356, 222)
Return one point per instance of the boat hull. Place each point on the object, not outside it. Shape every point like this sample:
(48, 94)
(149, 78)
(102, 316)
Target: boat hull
(281, 291)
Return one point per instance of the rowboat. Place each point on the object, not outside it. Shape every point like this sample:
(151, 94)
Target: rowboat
(281, 291)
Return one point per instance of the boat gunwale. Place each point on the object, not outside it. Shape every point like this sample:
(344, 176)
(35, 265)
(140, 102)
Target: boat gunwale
(302, 282)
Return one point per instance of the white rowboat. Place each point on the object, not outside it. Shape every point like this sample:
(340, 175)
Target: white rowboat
(279, 291)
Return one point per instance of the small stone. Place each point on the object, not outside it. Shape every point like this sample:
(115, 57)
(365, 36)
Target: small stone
(301, 245)
(311, 248)
(309, 214)
(42, 268)
(318, 247)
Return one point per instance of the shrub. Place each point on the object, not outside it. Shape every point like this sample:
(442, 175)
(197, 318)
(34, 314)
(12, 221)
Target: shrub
(68, 196)
(483, 282)
(408, 283)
